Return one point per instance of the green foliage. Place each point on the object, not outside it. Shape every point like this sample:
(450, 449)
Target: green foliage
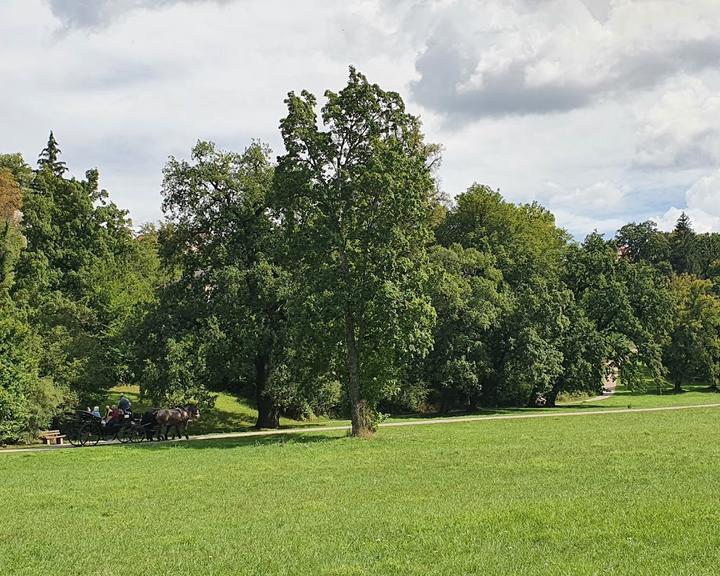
(693, 352)
(643, 242)
(470, 298)
(629, 303)
(228, 301)
(682, 247)
(27, 401)
(314, 285)
(49, 158)
(76, 275)
(523, 238)
(11, 239)
(354, 201)
(539, 342)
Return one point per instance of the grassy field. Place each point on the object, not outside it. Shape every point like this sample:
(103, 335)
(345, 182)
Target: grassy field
(613, 494)
(696, 394)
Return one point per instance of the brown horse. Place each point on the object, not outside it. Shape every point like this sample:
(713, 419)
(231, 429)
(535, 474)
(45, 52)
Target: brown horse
(177, 418)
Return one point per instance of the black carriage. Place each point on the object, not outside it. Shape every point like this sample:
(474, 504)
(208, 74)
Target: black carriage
(85, 429)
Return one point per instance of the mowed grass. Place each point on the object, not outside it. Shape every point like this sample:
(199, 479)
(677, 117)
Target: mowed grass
(692, 395)
(633, 493)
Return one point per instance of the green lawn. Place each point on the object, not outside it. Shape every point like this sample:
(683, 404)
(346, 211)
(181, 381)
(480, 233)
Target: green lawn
(612, 494)
(695, 394)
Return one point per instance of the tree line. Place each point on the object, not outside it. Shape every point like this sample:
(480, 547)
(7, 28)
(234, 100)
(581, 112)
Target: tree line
(335, 278)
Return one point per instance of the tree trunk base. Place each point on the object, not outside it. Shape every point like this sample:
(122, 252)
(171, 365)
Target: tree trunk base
(362, 421)
(271, 420)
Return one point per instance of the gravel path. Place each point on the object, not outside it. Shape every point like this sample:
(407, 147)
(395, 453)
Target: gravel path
(609, 385)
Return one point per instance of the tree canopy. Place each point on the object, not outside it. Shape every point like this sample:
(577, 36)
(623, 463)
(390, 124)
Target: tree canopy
(336, 278)
(355, 197)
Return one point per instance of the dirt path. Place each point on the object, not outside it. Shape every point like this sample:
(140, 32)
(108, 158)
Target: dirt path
(609, 385)
(427, 422)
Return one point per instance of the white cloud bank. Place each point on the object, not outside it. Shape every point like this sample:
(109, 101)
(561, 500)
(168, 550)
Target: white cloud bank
(703, 206)
(606, 111)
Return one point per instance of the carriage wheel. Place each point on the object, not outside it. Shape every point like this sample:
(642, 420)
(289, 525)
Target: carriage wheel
(137, 434)
(74, 437)
(89, 435)
(125, 434)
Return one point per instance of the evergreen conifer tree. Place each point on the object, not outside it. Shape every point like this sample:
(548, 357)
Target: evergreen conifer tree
(50, 157)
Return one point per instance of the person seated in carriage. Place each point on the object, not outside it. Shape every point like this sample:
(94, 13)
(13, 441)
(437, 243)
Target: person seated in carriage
(95, 412)
(113, 415)
(124, 404)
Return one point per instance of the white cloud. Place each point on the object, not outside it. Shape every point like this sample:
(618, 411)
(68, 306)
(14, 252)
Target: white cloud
(581, 226)
(504, 57)
(614, 102)
(601, 196)
(705, 195)
(703, 206)
(682, 127)
(153, 81)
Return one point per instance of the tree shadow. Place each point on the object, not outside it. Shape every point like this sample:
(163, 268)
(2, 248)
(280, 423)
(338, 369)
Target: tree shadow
(497, 411)
(214, 420)
(668, 391)
(241, 442)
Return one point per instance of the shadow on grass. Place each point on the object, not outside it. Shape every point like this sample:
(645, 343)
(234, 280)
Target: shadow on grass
(214, 420)
(250, 441)
(220, 422)
(496, 411)
(668, 391)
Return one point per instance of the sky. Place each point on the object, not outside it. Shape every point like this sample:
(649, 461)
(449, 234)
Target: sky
(604, 111)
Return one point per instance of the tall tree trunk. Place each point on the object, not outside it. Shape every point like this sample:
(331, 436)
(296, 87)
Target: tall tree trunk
(268, 412)
(678, 385)
(551, 398)
(488, 393)
(360, 412)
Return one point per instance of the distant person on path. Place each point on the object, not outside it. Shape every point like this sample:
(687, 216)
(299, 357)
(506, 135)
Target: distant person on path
(124, 404)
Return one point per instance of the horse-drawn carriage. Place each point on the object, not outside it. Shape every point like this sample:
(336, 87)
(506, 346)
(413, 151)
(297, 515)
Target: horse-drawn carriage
(83, 428)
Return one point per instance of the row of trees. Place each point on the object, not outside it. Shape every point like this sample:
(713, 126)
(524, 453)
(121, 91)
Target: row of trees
(72, 277)
(335, 278)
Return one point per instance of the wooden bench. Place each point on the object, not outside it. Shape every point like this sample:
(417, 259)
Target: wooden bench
(52, 437)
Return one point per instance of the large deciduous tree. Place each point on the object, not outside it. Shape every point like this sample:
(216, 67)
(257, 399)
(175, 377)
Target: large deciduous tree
(79, 275)
(693, 351)
(643, 242)
(224, 243)
(629, 303)
(470, 298)
(533, 347)
(353, 195)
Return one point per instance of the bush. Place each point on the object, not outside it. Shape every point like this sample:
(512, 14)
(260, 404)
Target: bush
(27, 401)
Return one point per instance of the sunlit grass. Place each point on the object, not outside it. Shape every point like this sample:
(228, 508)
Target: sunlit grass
(632, 493)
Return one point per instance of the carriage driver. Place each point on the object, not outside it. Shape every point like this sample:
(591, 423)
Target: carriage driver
(124, 404)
